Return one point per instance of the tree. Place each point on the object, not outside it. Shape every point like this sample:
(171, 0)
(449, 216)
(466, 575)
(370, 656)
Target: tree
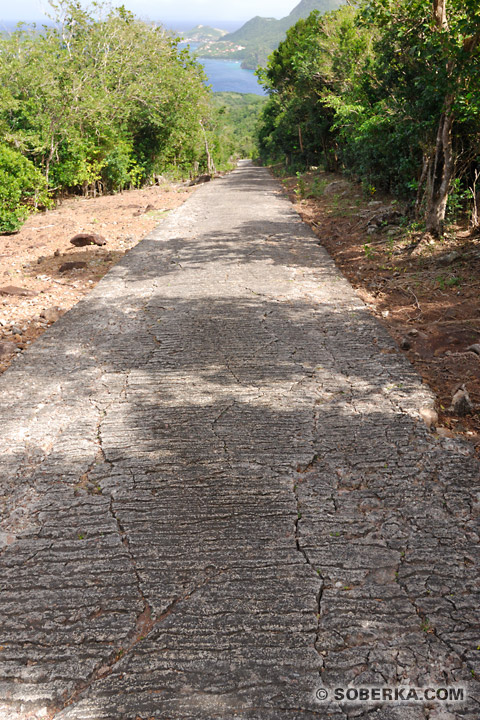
(427, 67)
(460, 45)
(101, 101)
(318, 58)
(390, 89)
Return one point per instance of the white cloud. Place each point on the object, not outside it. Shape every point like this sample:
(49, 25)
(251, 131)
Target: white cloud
(168, 10)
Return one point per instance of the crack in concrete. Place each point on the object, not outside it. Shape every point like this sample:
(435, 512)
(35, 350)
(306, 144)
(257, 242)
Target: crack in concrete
(425, 622)
(318, 576)
(146, 626)
(124, 537)
(216, 420)
(351, 401)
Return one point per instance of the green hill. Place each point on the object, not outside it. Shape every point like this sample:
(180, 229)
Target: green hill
(260, 36)
(258, 28)
(305, 7)
(204, 33)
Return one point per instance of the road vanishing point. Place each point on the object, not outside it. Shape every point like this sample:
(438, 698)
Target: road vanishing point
(218, 498)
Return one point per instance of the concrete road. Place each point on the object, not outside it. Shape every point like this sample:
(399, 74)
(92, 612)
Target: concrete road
(218, 499)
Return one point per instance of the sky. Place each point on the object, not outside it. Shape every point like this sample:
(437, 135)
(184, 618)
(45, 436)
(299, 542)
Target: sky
(173, 13)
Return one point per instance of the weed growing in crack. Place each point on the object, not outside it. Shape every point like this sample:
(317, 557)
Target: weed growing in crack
(426, 626)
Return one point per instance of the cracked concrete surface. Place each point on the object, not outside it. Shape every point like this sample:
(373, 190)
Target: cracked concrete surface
(217, 495)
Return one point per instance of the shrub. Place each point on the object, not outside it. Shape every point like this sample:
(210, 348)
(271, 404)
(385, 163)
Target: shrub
(22, 189)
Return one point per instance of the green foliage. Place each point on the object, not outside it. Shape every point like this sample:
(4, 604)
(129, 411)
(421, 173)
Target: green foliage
(448, 281)
(102, 100)
(236, 125)
(301, 188)
(317, 188)
(365, 89)
(376, 148)
(22, 188)
(318, 56)
(457, 200)
(121, 168)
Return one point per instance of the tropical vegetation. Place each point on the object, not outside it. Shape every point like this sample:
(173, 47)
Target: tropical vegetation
(236, 125)
(386, 90)
(94, 103)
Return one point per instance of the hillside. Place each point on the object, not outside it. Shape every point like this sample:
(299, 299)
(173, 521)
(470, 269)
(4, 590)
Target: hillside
(254, 41)
(305, 7)
(204, 33)
(258, 28)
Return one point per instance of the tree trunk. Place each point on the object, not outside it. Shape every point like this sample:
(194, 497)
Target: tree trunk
(49, 159)
(420, 192)
(210, 164)
(440, 174)
(441, 164)
(440, 13)
(475, 219)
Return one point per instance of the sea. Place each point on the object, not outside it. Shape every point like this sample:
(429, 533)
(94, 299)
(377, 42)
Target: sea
(228, 75)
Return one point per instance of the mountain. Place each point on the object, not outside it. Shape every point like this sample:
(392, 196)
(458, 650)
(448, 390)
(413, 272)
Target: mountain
(204, 33)
(260, 36)
(305, 7)
(258, 28)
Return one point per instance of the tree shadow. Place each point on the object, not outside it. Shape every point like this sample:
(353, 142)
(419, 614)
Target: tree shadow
(194, 471)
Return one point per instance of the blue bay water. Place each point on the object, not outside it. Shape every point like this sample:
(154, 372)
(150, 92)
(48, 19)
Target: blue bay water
(229, 76)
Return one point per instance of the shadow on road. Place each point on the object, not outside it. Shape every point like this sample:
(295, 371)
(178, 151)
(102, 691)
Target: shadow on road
(212, 471)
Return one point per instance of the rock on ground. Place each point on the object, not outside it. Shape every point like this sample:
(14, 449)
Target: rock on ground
(84, 239)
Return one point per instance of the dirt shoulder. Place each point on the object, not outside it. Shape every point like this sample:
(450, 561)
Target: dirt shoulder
(38, 282)
(425, 292)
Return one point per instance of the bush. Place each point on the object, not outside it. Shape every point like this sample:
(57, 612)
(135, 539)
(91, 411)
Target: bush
(382, 152)
(121, 170)
(22, 189)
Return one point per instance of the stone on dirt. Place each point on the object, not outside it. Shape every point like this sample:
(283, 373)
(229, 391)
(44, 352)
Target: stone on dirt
(7, 349)
(430, 416)
(51, 315)
(449, 258)
(199, 180)
(84, 239)
(17, 291)
(335, 187)
(474, 348)
(461, 402)
(74, 265)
